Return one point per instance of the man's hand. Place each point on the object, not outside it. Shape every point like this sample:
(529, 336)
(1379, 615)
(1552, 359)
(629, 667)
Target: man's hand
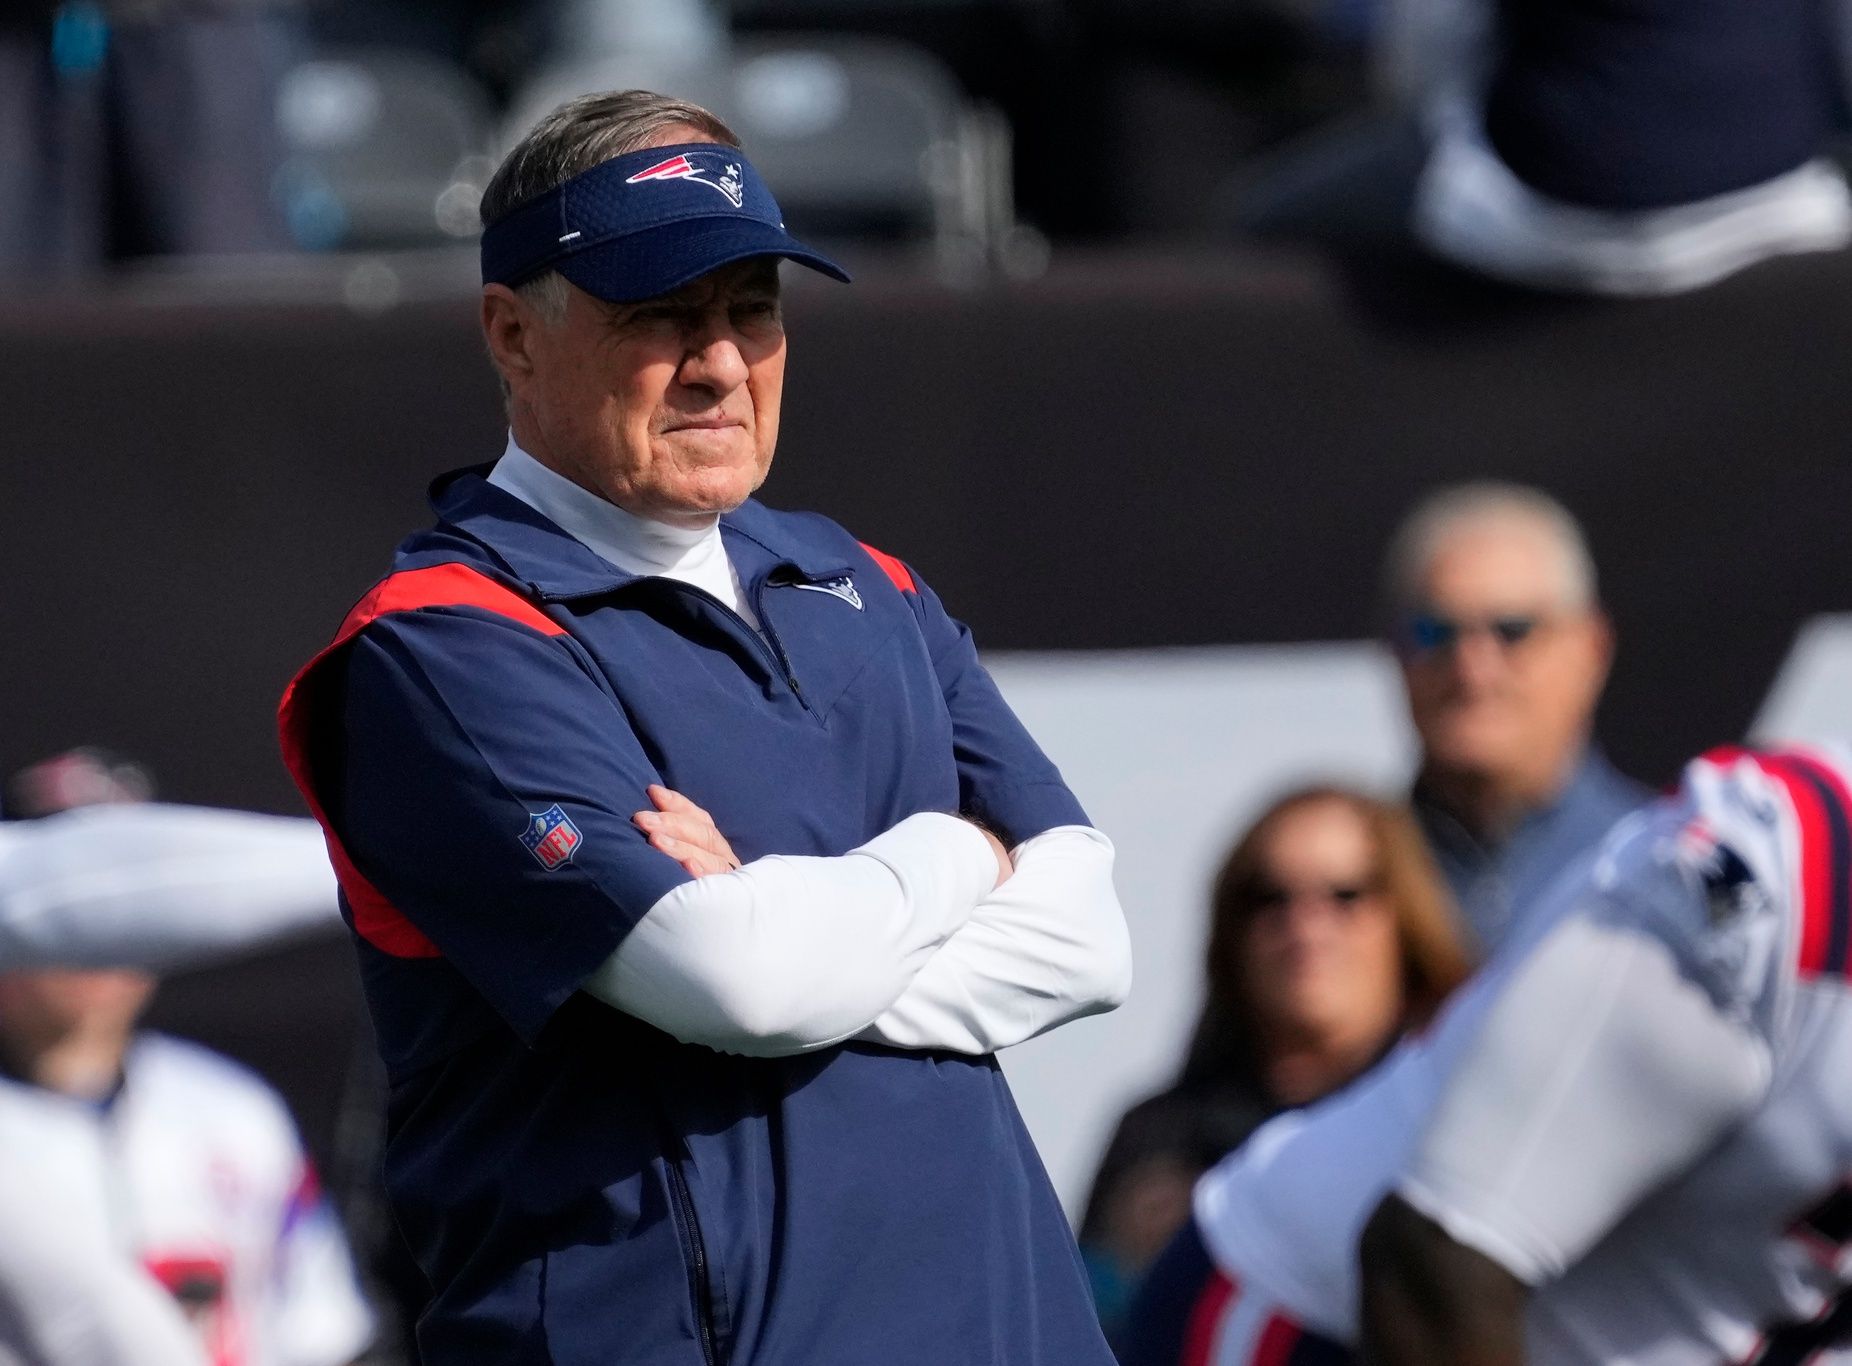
(1428, 1300)
(686, 833)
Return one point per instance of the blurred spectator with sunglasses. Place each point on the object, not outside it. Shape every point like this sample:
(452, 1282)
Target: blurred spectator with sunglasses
(1504, 650)
(1331, 933)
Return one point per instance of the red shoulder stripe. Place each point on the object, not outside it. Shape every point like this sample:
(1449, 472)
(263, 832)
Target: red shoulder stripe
(1725, 755)
(376, 919)
(893, 568)
(1816, 868)
(1827, 941)
(1206, 1319)
(442, 585)
(1277, 1341)
(1821, 803)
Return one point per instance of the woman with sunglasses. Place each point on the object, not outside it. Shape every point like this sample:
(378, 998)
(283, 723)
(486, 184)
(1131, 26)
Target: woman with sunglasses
(1331, 934)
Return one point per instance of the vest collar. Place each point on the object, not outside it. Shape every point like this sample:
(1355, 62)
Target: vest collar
(557, 566)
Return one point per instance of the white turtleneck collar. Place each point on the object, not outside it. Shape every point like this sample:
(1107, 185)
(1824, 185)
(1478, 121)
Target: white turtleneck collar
(636, 545)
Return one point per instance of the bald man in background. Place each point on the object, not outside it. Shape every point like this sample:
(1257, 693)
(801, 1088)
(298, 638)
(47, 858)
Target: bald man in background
(1504, 650)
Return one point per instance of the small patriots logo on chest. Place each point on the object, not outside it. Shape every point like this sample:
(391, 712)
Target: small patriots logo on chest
(843, 588)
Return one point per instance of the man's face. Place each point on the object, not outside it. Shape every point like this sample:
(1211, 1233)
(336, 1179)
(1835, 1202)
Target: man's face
(669, 407)
(1502, 671)
(39, 1008)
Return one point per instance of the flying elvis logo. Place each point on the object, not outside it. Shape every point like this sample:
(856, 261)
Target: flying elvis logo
(704, 168)
(843, 588)
(551, 837)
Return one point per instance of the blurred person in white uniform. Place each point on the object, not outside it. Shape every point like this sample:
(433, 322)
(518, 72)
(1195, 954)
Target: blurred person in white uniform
(1628, 1141)
(142, 1166)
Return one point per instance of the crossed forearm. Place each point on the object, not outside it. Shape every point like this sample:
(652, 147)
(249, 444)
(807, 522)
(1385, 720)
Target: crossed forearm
(1045, 947)
(789, 954)
(903, 942)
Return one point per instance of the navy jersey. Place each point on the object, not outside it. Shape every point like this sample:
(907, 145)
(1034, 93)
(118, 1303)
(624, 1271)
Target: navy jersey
(1641, 104)
(579, 1186)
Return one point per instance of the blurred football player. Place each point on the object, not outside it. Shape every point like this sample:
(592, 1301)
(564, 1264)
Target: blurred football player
(1628, 1141)
(143, 1149)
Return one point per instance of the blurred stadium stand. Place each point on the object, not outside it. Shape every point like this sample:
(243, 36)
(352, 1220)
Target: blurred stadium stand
(385, 148)
(968, 128)
(863, 138)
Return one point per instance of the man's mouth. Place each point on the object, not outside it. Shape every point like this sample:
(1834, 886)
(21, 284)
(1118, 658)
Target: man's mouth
(716, 424)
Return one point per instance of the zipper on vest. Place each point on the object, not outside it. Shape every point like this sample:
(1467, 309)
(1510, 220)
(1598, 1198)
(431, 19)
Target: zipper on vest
(695, 1259)
(771, 636)
(768, 646)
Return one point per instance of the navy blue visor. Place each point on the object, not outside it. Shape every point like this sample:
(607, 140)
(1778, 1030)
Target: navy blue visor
(645, 224)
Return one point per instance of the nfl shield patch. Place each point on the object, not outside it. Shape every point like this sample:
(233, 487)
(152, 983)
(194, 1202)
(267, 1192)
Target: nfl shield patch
(551, 837)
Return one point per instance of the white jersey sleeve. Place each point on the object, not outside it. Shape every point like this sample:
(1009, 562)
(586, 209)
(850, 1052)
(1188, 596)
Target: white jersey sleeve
(1628, 1042)
(157, 886)
(1280, 1216)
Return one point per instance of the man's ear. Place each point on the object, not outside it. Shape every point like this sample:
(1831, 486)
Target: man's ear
(1602, 627)
(509, 326)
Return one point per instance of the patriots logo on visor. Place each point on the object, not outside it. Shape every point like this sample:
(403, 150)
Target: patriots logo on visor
(704, 168)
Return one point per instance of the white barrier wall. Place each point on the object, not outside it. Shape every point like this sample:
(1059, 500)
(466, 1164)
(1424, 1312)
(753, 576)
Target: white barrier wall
(1812, 696)
(1173, 752)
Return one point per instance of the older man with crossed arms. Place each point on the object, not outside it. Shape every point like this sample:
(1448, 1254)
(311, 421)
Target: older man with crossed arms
(652, 1103)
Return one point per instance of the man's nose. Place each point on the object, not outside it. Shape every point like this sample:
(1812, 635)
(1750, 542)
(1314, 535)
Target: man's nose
(1478, 657)
(714, 361)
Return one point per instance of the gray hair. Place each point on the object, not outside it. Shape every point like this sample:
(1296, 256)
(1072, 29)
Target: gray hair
(1482, 506)
(575, 137)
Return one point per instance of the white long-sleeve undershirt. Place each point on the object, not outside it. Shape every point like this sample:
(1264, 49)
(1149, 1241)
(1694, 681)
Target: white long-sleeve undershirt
(790, 954)
(905, 941)
(1047, 946)
(157, 886)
